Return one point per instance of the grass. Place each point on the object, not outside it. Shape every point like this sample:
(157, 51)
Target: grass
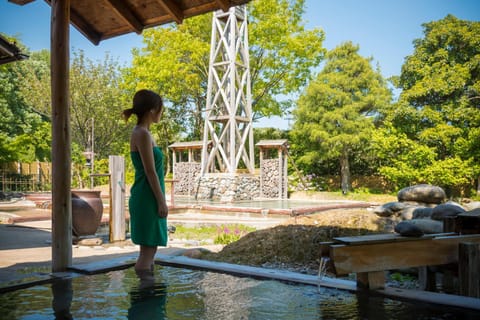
(222, 234)
(337, 195)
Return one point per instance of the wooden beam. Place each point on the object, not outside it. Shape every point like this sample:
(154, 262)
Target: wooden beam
(371, 280)
(396, 255)
(83, 26)
(127, 15)
(61, 153)
(223, 4)
(21, 2)
(173, 10)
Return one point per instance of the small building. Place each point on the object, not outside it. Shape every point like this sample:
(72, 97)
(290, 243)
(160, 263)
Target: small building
(186, 158)
(273, 168)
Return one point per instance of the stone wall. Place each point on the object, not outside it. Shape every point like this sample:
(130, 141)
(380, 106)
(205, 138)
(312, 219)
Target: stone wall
(271, 177)
(186, 173)
(225, 187)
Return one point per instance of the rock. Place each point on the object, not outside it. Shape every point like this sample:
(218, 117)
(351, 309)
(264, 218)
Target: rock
(7, 196)
(453, 203)
(88, 241)
(474, 212)
(195, 253)
(389, 208)
(408, 229)
(472, 205)
(446, 210)
(422, 193)
(407, 213)
(428, 226)
(422, 213)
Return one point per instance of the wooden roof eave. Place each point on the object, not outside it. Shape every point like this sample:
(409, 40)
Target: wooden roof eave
(129, 15)
(9, 52)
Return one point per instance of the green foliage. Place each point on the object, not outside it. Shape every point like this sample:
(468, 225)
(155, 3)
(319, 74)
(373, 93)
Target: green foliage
(96, 103)
(334, 117)
(35, 76)
(24, 134)
(175, 61)
(402, 277)
(434, 128)
(227, 235)
(454, 174)
(212, 232)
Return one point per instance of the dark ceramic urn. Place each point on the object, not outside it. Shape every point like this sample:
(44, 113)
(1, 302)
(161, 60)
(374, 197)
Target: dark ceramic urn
(87, 210)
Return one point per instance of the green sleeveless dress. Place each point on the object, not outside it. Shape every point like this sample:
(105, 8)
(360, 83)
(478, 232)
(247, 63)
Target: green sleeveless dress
(146, 227)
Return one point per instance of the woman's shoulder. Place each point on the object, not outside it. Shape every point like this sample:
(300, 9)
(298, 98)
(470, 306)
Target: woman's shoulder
(140, 136)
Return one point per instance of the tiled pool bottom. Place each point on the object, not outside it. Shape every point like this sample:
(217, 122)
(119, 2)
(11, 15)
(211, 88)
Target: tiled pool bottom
(177, 293)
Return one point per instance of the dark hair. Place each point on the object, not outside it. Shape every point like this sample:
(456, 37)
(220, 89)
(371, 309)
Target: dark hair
(143, 101)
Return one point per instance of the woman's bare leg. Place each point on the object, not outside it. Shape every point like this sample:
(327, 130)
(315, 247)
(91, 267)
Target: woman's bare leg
(146, 258)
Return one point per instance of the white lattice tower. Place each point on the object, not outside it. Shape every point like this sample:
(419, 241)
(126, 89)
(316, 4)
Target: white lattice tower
(228, 116)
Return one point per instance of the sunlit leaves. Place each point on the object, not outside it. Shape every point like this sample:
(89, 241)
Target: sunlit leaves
(334, 116)
(174, 61)
(439, 107)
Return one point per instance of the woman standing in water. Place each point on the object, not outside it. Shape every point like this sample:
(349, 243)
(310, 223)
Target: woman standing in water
(147, 204)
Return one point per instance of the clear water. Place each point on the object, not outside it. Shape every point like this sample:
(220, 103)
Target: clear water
(189, 294)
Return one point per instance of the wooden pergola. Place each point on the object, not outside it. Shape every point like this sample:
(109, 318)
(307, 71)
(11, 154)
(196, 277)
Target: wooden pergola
(97, 20)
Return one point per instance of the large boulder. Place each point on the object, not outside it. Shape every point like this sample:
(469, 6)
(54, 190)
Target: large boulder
(446, 210)
(423, 193)
(428, 226)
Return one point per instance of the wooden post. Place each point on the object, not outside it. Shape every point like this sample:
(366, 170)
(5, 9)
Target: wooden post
(116, 166)
(450, 224)
(468, 269)
(427, 279)
(285, 173)
(174, 161)
(172, 190)
(261, 172)
(61, 153)
(371, 280)
(280, 173)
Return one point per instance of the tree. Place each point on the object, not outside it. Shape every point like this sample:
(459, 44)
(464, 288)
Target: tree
(96, 104)
(439, 106)
(35, 89)
(175, 59)
(24, 133)
(335, 115)
(96, 99)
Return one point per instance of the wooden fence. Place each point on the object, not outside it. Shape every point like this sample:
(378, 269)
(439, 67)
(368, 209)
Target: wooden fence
(19, 177)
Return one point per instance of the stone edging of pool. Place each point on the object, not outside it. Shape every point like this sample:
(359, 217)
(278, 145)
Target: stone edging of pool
(180, 261)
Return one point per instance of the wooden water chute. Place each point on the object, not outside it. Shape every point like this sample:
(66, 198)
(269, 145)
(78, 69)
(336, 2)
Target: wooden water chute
(273, 168)
(370, 256)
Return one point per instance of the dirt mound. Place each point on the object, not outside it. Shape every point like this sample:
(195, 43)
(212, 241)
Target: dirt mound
(296, 243)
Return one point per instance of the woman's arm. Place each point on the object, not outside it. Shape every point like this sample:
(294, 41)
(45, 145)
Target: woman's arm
(144, 145)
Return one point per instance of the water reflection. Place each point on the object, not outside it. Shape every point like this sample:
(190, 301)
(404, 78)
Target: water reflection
(62, 293)
(148, 298)
(199, 295)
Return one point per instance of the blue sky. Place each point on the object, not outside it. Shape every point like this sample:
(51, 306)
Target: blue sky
(384, 29)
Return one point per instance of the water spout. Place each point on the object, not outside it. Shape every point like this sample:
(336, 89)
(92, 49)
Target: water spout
(322, 269)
